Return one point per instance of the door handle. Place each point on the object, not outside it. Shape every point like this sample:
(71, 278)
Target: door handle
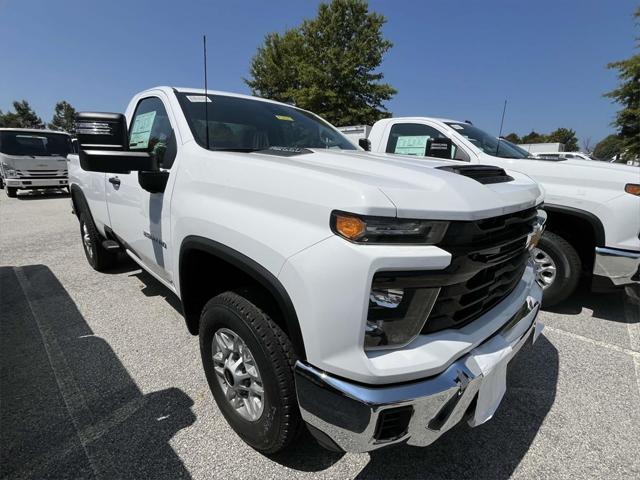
(115, 181)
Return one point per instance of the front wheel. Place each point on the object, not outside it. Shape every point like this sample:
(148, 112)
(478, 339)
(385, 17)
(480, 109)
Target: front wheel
(558, 267)
(248, 361)
(98, 257)
(12, 192)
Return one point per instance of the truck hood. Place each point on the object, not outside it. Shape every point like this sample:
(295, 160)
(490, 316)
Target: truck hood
(37, 162)
(416, 187)
(583, 173)
(596, 167)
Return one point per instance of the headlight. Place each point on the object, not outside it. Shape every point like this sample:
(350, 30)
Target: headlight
(397, 311)
(367, 229)
(633, 189)
(10, 172)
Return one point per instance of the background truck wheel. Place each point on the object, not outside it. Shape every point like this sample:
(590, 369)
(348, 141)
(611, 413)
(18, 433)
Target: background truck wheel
(1, 183)
(12, 192)
(248, 361)
(99, 258)
(558, 268)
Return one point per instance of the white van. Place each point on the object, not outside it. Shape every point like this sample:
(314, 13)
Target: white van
(32, 159)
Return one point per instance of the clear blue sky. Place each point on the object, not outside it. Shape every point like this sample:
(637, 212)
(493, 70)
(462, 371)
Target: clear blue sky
(457, 59)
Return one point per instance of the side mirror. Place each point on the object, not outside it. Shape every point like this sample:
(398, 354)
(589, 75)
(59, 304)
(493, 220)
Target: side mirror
(365, 143)
(439, 148)
(103, 145)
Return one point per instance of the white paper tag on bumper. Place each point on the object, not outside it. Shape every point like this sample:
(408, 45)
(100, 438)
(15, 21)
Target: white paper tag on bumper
(537, 330)
(490, 360)
(492, 389)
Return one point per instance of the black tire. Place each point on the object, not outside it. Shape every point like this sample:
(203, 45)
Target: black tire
(568, 268)
(12, 192)
(98, 257)
(271, 349)
(1, 183)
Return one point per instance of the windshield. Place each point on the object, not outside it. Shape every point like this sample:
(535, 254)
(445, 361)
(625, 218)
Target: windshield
(32, 143)
(242, 124)
(516, 147)
(487, 143)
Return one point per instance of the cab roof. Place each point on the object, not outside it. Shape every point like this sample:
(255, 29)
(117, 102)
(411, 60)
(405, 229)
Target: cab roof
(200, 91)
(32, 130)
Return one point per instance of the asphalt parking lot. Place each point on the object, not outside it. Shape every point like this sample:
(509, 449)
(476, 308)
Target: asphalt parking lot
(100, 379)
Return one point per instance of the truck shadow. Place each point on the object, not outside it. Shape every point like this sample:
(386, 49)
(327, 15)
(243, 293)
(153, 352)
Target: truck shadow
(491, 451)
(69, 407)
(605, 305)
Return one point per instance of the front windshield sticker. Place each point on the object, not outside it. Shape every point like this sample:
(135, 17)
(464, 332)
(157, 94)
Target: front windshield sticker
(141, 130)
(457, 127)
(198, 98)
(412, 144)
(286, 118)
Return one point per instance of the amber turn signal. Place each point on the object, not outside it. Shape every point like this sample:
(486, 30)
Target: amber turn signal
(633, 189)
(350, 227)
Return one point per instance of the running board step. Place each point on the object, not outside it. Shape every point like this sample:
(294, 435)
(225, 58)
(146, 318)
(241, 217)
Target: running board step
(110, 245)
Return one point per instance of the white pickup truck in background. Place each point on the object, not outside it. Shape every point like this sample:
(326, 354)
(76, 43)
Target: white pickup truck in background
(33, 159)
(593, 207)
(377, 298)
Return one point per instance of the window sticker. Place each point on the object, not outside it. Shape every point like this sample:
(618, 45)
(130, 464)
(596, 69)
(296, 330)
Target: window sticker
(286, 118)
(456, 126)
(198, 99)
(412, 144)
(141, 130)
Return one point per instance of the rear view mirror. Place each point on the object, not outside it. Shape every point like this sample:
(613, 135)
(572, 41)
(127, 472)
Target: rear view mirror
(103, 145)
(365, 144)
(439, 148)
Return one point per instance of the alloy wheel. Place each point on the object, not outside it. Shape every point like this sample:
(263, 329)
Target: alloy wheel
(238, 374)
(545, 267)
(86, 240)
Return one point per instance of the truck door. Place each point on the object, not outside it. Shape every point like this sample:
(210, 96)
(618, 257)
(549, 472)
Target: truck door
(139, 218)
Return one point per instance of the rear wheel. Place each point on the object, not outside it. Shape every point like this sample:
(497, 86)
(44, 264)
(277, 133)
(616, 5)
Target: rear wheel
(558, 268)
(97, 256)
(12, 192)
(248, 361)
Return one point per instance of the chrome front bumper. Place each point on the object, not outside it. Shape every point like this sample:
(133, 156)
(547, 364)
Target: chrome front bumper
(358, 418)
(34, 182)
(622, 267)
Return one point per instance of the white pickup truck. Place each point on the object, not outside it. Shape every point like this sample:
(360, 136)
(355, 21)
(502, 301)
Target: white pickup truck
(33, 159)
(376, 298)
(593, 207)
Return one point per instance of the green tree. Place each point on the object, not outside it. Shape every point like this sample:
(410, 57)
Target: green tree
(23, 117)
(328, 64)
(566, 136)
(63, 117)
(628, 95)
(534, 137)
(608, 147)
(513, 138)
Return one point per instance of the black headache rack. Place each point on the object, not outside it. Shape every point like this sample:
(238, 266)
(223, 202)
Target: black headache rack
(485, 174)
(489, 257)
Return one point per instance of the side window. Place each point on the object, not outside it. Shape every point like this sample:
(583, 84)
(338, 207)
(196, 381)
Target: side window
(410, 138)
(151, 131)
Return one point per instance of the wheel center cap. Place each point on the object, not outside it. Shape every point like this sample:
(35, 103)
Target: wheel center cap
(228, 376)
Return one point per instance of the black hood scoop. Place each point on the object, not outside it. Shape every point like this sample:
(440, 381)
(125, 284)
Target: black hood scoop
(485, 174)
